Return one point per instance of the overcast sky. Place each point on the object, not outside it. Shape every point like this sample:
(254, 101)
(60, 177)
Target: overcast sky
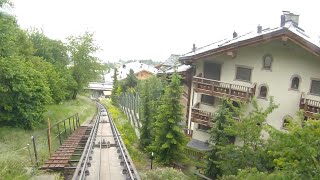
(146, 29)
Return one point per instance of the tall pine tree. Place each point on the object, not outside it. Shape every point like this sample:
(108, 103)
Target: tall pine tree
(150, 93)
(169, 138)
(114, 97)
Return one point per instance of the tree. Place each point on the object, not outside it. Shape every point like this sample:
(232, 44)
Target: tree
(24, 92)
(57, 83)
(169, 138)
(297, 150)
(219, 137)
(131, 81)
(150, 92)
(86, 67)
(52, 51)
(248, 129)
(114, 97)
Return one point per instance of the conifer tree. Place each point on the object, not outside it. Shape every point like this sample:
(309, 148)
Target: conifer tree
(151, 90)
(114, 97)
(169, 138)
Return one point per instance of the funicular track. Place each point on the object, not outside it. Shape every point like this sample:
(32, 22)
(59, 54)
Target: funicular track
(104, 155)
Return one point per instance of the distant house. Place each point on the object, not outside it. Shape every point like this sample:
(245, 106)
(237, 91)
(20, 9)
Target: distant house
(282, 62)
(141, 70)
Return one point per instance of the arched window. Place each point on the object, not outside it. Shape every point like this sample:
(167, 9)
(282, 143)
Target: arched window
(295, 82)
(286, 121)
(267, 61)
(263, 91)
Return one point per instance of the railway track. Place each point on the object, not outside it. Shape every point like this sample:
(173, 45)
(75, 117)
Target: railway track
(105, 155)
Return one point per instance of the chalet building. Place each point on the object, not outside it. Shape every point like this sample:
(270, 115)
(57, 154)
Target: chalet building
(282, 62)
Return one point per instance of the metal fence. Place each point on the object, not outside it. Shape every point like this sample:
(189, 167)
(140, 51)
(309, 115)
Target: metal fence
(130, 105)
(45, 142)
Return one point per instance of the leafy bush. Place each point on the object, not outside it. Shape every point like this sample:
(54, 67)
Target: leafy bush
(164, 173)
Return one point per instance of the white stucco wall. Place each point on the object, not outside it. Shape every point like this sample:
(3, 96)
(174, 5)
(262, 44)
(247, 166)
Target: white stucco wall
(288, 59)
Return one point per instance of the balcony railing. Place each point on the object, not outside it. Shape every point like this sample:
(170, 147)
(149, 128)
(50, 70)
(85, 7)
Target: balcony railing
(201, 116)
(311, 107)
(221, 89)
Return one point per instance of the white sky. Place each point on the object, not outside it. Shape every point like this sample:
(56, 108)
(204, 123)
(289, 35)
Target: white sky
(146, 29)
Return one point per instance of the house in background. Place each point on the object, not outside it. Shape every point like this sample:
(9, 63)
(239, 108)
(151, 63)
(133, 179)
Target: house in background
(282, 62)
(141, 70)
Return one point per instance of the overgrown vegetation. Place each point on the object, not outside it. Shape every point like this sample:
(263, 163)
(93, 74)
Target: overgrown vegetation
(164, 173)
(128, 136)
(15, 162)
(292, 154)
(36, 70)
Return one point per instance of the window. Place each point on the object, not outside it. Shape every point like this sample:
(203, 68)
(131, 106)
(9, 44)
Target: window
(243, 74)
(203, 127)
(315, 87)
(263, 91)
(207, 99)
(267, 62)
(286, 121)
(295, 83)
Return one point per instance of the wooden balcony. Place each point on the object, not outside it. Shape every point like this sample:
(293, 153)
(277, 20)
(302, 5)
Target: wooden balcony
(201, 116)
(221, 89)
(311, 107)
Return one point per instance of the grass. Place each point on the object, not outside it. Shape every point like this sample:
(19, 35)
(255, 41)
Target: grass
(140, 158)
(17, 164)
(129, 137)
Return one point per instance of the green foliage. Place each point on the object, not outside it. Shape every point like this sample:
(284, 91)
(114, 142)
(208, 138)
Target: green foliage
(164, 173)
(252, 153)
(150, 92)
(131, 81)
(254, 174)
(297, 150)
(17, 165)
(219, 137)
(114, 97)
(86, 67)
(128, 134)
(24, 92)
(14, 41)
(169, 137)
(52, 51)
(57, 83)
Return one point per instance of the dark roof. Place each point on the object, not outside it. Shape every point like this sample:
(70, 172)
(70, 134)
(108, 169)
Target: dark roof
(173, 60)
(199, 145)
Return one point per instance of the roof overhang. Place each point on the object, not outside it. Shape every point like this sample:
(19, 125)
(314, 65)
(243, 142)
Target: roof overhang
(283, 34)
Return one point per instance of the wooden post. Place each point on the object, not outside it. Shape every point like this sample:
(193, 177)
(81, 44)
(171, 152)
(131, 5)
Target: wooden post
(70, 126)
(49, 137)
(59, 133)
(74, 126)
(64, 124)
(229, 89)
(35, 150)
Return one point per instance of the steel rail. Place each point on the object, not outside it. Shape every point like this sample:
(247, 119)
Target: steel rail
(119, 142)
(87, 150)
(99, 170)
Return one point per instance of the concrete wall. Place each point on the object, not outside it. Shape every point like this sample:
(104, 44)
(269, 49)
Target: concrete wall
(289, 59)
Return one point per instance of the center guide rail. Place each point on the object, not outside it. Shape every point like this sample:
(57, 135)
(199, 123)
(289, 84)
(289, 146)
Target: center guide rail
(127, 167)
